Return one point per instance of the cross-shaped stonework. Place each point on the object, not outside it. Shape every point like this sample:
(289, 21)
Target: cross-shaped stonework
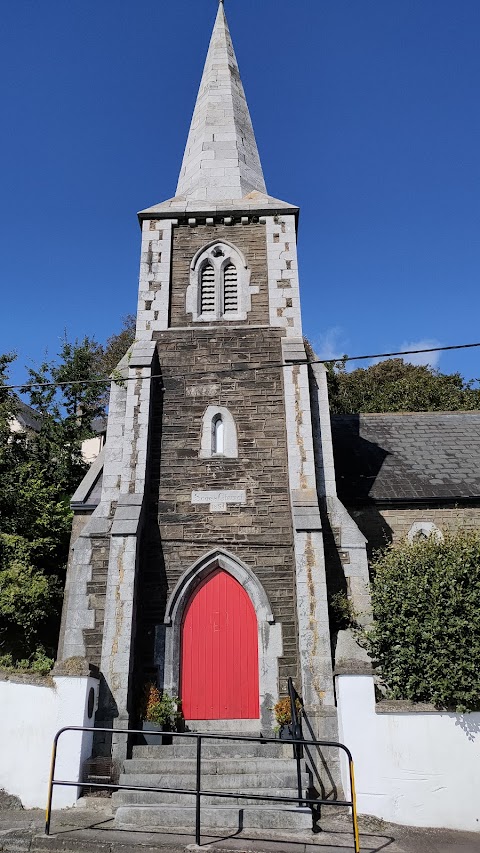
(218, 499)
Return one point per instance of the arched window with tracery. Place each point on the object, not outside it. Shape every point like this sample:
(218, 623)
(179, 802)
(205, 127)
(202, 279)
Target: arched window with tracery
(219, 284)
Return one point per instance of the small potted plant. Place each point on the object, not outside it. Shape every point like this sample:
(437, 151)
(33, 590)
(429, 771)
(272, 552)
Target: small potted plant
(160, 713)
(283, 717)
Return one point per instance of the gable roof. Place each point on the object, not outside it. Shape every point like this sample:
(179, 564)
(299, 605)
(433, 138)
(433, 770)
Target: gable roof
(407, 456)
(27, 417)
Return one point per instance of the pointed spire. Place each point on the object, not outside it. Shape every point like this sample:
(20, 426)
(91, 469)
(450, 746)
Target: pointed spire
(221, 158)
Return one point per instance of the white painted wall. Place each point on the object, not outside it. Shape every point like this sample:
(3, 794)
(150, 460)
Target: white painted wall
(30, 715)
(91, 447)
(421, 769)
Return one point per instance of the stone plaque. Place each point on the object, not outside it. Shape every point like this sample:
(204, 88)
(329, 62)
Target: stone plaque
(203, 390)
(218, 499)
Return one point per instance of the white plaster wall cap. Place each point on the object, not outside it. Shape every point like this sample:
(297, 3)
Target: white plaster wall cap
(201, 568)
(219, 242)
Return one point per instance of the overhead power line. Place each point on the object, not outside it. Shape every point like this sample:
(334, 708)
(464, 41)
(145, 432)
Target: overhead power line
(234, 369)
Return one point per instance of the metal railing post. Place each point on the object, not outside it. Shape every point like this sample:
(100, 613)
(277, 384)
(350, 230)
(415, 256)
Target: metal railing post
(48, 811)
(198, 791)
(298, 735)
(353, 795)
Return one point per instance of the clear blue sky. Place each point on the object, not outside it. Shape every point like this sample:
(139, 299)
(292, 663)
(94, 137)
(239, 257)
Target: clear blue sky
(366, 114)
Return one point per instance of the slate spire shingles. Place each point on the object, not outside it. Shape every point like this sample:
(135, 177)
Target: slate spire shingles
(221, 159)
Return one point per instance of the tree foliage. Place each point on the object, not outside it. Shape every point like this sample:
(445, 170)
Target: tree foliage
(397, 386)
(426, 629)
(117, 345)
(39, 471)
(68, 406)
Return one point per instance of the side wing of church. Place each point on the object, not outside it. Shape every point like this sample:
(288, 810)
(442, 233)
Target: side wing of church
(201, 531)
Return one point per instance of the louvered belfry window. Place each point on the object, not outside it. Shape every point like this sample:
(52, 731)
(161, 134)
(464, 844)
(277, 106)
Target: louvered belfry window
(207, 299)
(219, 285)
(230, 289)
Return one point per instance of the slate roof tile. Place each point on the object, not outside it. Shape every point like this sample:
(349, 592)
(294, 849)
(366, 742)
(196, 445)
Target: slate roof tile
(407, 456)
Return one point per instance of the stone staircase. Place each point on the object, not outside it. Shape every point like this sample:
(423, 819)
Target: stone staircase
(249, 768)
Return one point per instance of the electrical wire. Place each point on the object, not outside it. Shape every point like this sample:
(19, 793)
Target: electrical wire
(228, 370)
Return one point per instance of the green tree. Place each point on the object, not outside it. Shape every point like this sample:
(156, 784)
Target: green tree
(32, 521)
(39, 471)
(426, 628)
(117, 345)
(69, 394)
(397, 386)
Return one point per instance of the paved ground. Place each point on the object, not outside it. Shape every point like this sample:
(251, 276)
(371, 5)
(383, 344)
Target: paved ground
(82, 830)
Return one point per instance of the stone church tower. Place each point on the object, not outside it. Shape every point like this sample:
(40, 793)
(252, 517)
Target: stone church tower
(198, 551)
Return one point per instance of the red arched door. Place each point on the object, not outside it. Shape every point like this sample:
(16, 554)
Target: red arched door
(219, 664)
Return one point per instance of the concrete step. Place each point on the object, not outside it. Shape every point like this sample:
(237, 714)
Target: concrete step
(151, 798)
(288, 819)
(215, 749)
(226, 727)
(210, 766)
(216, 782)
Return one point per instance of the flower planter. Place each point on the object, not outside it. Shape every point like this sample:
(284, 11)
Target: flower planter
(155, 740)
(286, 732)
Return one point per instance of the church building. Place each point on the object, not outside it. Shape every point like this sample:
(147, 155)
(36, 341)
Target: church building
(209, 527)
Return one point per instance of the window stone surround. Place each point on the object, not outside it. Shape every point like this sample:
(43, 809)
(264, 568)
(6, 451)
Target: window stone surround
(230, 445)
(219, 254)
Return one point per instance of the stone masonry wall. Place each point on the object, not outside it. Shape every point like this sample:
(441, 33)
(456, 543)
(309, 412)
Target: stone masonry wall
(194, 364)
(250, 239)
(383, 525)
(96, 591)
(95, 588)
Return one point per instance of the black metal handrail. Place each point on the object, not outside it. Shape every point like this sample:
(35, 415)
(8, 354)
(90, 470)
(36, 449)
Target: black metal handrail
(198, 793)
(297, 734)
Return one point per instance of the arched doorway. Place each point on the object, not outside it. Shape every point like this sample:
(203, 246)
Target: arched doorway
(219, 651)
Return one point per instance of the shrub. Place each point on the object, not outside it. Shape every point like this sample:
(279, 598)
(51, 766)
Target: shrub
(160, 708)
(39, 663)
(29, 601)
(341, 613)
(283, 712)
(426, 629)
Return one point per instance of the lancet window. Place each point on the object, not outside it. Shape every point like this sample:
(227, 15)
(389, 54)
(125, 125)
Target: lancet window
(219, 433)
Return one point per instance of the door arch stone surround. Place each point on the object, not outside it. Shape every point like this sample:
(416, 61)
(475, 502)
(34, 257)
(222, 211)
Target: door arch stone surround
(270, 645)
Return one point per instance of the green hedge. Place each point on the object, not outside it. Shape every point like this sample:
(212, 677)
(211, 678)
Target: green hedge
(426, 629)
